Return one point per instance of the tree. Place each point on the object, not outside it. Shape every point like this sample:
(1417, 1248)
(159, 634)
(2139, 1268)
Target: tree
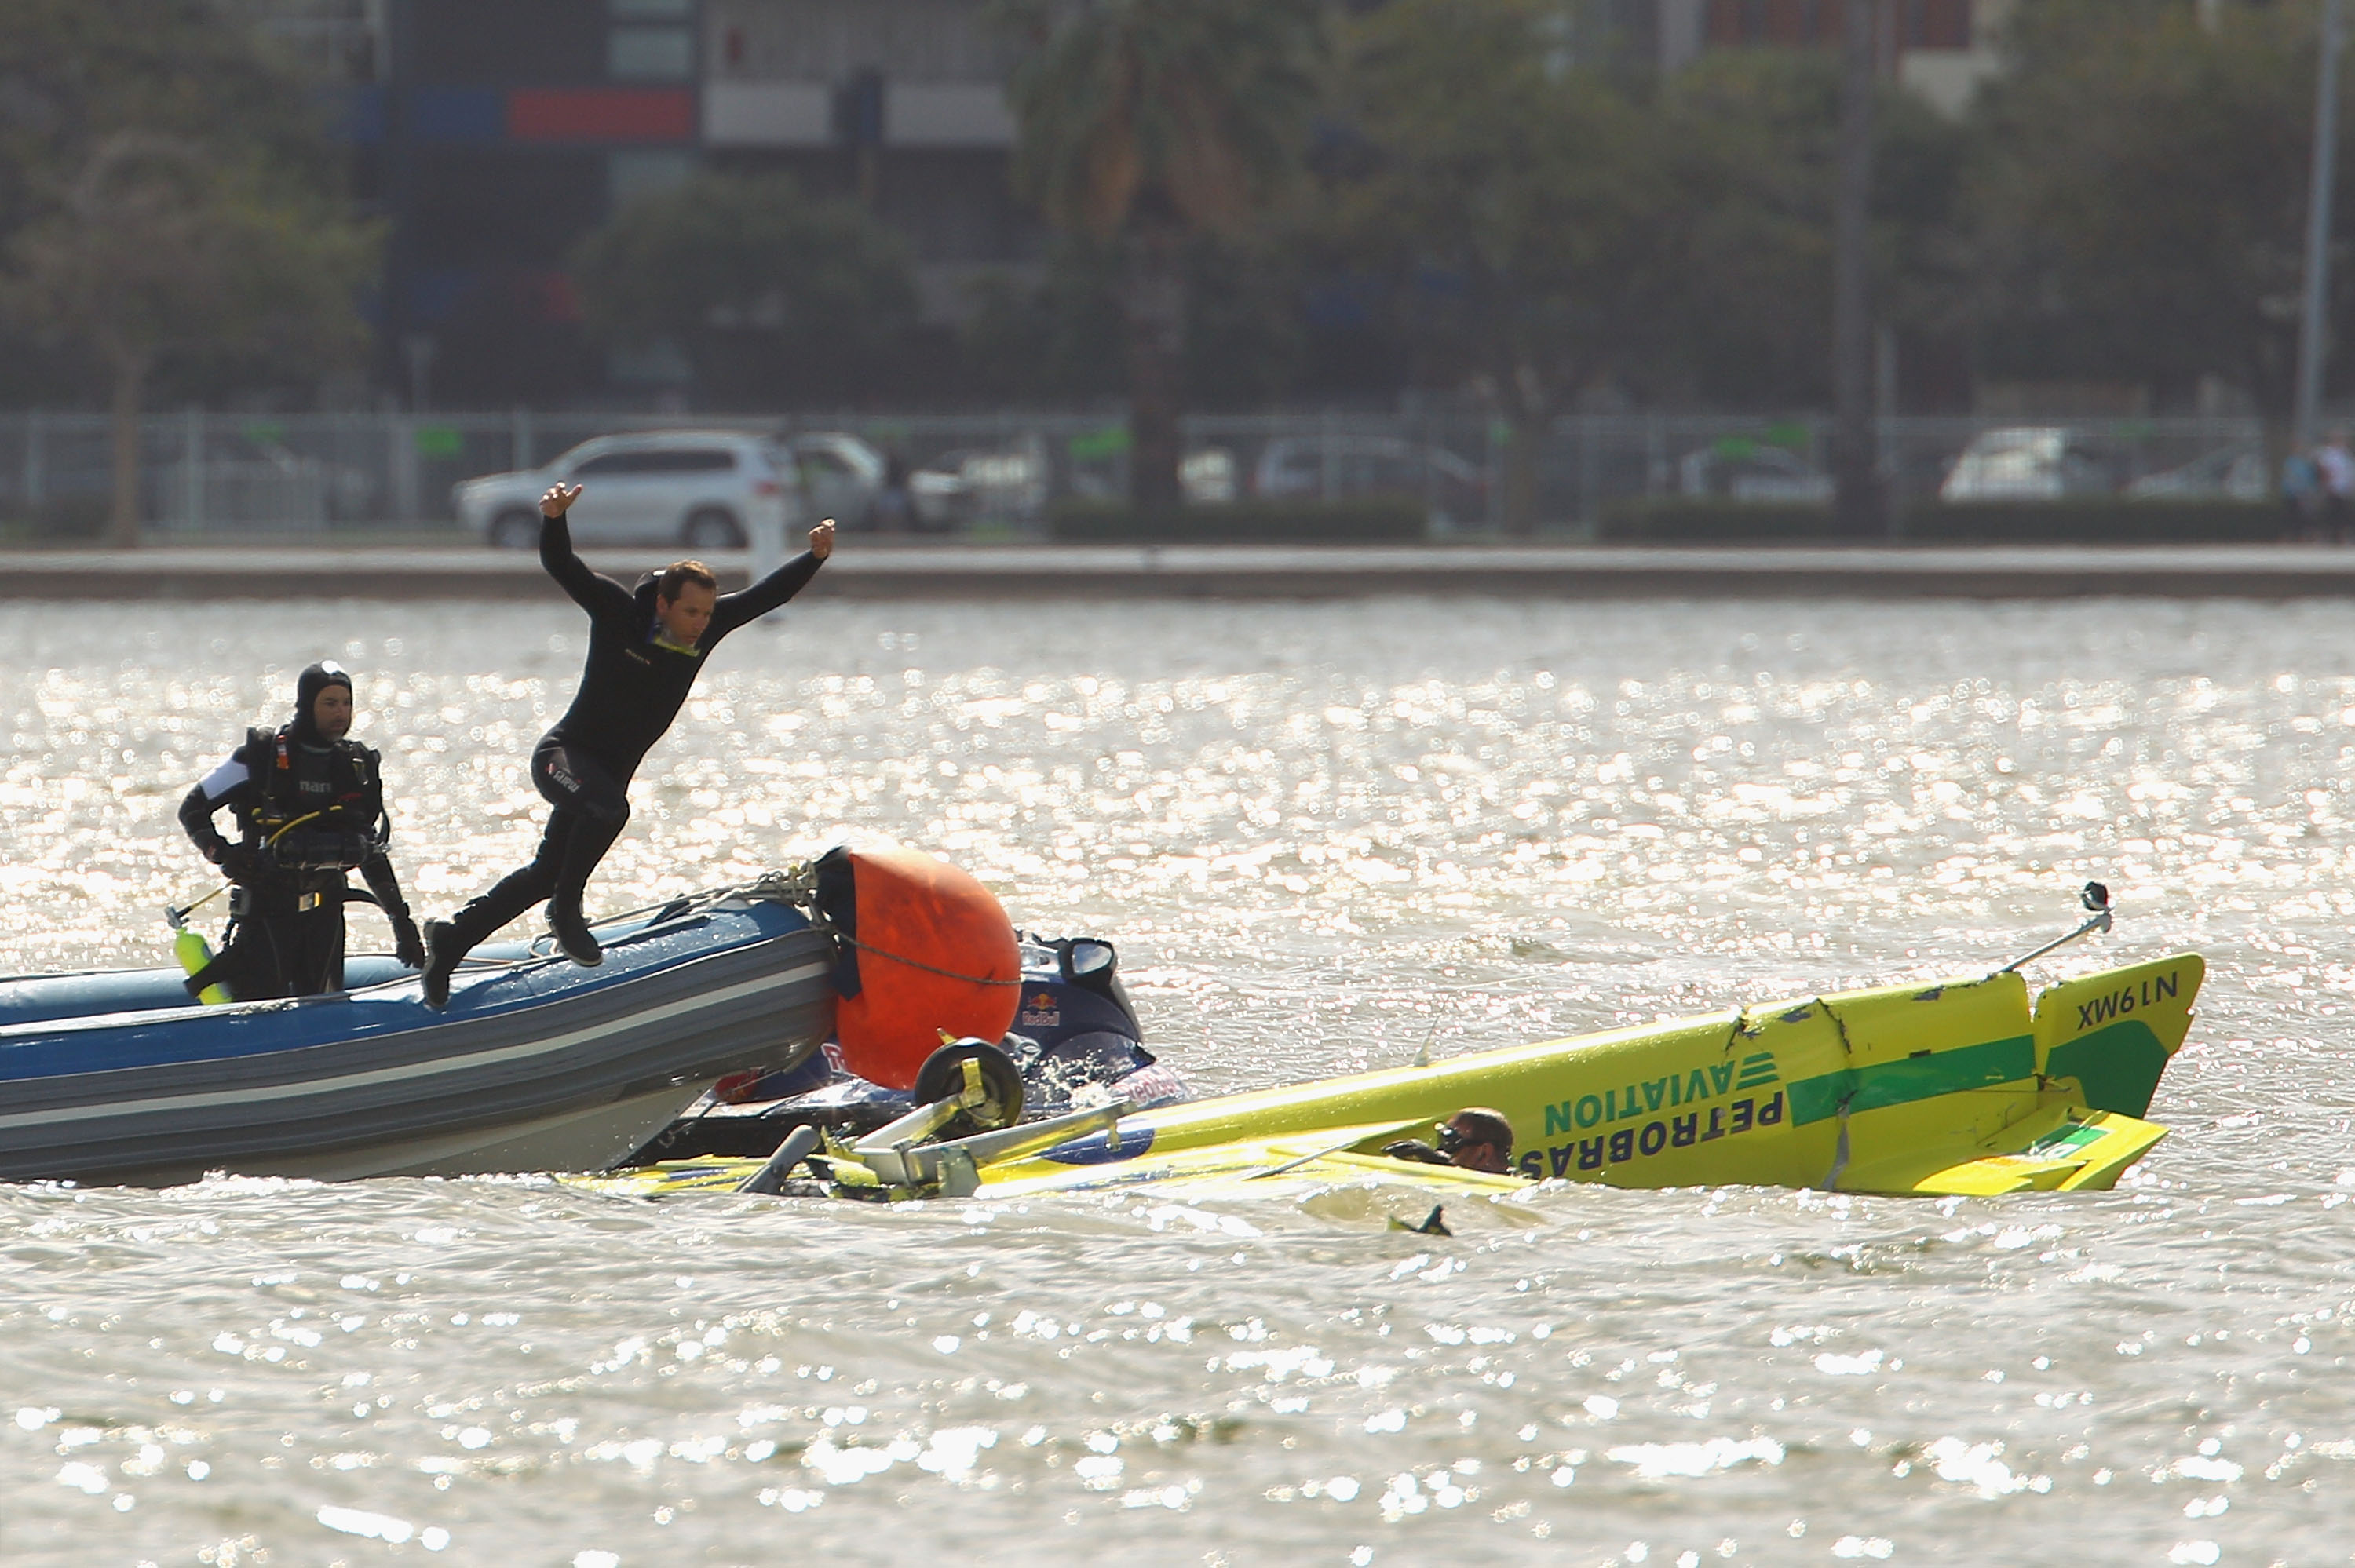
(168, 201)
(1514, 201)
(1748, 138)
(160, 249)
(75, 72)
(1142, 121)
(1059, 339)
(2140, 196)
(768, 293)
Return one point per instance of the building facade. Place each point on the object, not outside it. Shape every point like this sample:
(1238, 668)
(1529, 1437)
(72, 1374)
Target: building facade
(492, 134)
(901, 103)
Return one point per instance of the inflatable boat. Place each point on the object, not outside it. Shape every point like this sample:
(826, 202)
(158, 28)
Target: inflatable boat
(1966, 1086)
(536, 1064)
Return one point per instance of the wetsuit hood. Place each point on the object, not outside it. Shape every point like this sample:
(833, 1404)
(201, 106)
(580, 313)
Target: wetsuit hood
(307, 687)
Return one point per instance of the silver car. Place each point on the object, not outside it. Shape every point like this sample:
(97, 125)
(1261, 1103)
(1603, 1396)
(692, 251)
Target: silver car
(1349, 467)
(2233, 473)
(708, 490)
(2029, 462)
(971, 484)
(841, 475)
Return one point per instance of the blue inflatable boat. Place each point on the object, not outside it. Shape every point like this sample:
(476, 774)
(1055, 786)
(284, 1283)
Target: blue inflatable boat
(539, 1065)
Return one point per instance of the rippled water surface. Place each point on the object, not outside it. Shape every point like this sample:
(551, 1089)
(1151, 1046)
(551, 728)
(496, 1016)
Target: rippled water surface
(1325, 837)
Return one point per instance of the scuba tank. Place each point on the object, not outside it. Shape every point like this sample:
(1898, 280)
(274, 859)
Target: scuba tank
(194, 952)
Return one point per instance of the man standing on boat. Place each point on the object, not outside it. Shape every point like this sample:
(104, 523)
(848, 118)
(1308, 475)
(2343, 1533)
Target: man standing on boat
(309, 804)
(646, 648)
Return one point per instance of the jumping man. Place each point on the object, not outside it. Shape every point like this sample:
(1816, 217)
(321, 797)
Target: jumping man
(646, 647)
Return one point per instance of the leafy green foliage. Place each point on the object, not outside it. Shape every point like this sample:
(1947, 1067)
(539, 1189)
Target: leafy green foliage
(1549, 228)
(1059, 339)
(166, 205)
(159, 250)
(1749, 140)
(1146, 121)
(1513, 200)
(2138, 201)
(168, 200)
(1183, 109)
(772, 295)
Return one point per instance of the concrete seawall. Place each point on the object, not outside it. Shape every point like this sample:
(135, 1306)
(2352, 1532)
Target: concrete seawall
(1026, 573)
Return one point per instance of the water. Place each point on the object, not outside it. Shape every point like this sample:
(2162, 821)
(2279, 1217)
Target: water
(1325, 837)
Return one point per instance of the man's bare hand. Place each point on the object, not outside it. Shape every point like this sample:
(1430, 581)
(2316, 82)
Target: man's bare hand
(822, 539)
(558, 500)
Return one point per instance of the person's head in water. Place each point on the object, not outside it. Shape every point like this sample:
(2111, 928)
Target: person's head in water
(322, 704)
(684, 596)
(1477, 1139)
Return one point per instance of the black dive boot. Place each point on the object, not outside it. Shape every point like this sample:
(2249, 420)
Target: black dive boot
(443, 952)
(589, 841)
(447, 942)
(572, 933)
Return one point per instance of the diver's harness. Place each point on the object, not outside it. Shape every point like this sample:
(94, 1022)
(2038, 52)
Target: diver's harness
(304, 848)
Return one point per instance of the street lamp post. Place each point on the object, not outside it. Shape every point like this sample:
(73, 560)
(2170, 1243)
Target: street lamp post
(2312, 325)
(1857, 502)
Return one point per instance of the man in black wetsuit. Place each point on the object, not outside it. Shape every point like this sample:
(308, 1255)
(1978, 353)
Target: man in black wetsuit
(309, 803)
(1474, 1139)
(646, 647)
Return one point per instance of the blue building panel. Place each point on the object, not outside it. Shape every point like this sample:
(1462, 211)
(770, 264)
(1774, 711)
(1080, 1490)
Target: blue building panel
(471, 115)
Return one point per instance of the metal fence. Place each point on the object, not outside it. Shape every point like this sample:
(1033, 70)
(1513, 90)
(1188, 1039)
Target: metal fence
(227, 473)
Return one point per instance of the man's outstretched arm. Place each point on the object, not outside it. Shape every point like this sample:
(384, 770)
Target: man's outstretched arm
(600, 596)
(749, 604)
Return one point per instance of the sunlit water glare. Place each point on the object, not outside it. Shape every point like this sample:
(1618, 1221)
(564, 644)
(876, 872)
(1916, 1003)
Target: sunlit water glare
(1325, 837)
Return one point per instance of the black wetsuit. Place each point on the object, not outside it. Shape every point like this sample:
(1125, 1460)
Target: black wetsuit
(631, 689)
(287, 931)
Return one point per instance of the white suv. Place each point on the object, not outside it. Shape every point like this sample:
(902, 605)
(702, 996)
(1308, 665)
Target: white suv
(708, 489)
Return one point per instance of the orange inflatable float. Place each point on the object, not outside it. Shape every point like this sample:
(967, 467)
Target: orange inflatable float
(926, 952)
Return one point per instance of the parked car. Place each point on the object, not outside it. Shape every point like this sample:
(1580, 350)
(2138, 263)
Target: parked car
(2229, 474)
(967, 483)
(841, 475)
(2029, 462)
(708, 490)
(1206, 476)
(1748, 471)
(1347, 467)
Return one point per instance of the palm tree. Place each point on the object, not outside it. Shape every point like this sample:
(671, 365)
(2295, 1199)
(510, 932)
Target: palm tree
(1144, 121)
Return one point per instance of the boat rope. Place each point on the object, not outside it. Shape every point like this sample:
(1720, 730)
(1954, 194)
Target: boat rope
(773, 885)
(798, 886)
(841, 935)
(1848, 1047)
